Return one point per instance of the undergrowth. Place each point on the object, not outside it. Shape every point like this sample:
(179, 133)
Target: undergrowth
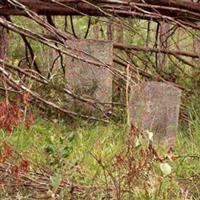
(54, 159)
(104, 161)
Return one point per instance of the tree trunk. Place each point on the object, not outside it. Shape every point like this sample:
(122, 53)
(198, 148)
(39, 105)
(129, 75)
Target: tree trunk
(3, 42)
(163, 44)
(3, 54)
(110, 30)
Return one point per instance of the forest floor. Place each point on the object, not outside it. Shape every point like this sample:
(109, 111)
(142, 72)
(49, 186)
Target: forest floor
(55, 160)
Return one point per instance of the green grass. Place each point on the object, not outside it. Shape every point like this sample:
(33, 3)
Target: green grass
(85, 152)
(61, 139)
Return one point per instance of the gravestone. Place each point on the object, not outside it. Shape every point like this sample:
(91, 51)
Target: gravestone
(154, 106)
(87, 80)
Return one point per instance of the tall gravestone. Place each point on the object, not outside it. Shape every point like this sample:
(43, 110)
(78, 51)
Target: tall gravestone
(154, 106)
(89, 81)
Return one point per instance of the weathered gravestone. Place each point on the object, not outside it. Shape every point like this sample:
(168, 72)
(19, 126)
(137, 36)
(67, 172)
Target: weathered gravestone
(89, 81)
(154, 106)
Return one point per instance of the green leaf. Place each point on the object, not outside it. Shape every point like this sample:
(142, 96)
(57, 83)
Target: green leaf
(149, 135)
(55, 181)
(165, 168)
(137, 142)
(49, 149)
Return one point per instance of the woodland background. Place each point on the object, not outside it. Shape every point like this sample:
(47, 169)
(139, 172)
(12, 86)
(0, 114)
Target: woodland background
(51, 152)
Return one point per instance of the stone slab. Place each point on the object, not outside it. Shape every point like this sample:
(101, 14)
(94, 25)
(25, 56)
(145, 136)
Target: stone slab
(154, 106)
(88, 80)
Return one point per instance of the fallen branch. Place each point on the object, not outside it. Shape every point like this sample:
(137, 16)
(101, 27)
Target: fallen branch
(15, 84)
(155, 50)
(184, 10)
